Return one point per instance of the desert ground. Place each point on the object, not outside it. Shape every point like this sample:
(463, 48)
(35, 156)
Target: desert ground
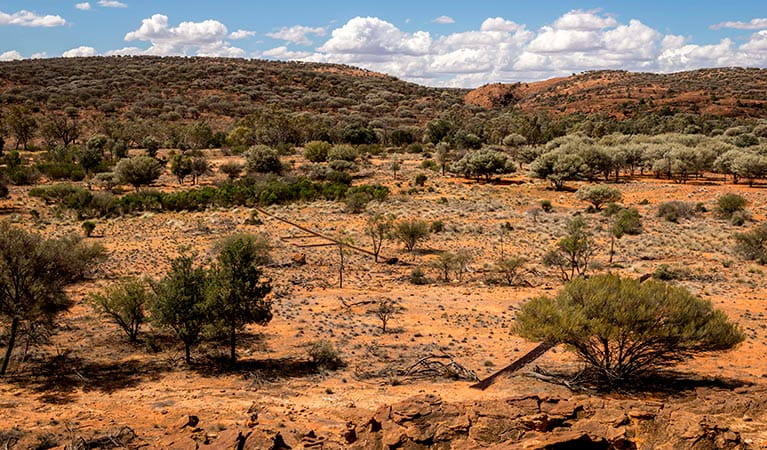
(88, 384)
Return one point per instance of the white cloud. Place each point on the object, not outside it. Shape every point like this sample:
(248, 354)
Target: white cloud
(297, 34)
(11, 55)
(500, 24)
(753, 24)
(283, 53)
(30, 19)
(444, 20)
(84, 6)
(39, 55)
(206, 38)
(112, 4)
(242, 34)
(584, 21)
(79, 51)
(373, 36)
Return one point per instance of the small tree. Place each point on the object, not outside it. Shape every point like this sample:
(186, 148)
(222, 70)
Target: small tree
(123, 304)
(558, 167)
(179, 301)
(181, 167)
(21, 124)
(395, 167)
(729, 204)
(231, 169)
(151, 145)
(385, 309)
(138, 171)
(598, 195)
(573, 252)
(262, 159)
(33, 274)
(378, 229)
(200, 168)
(88, 227)
(237, 293)
(511, 269)
(622, 328)
(411, 232)
(626, 221)
(445, 263)
(443, 156)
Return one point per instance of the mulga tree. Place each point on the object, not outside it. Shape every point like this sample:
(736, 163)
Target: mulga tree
(34, 272)
(237, 292)
(626, 221)
(573, 252)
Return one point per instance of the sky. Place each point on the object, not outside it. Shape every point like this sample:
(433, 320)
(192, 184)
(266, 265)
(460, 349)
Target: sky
(436, 43)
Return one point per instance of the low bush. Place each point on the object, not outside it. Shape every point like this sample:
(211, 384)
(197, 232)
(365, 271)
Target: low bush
(673, 211)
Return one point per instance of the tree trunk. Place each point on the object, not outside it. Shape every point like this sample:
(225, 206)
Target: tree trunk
(187, 351)
(11, 343)
(233, 345)
(612, 248)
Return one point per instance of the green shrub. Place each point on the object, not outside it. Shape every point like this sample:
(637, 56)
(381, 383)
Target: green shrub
(123, 304)
(420, 179)
(752, 245)
(343, 153)
(622, 328)
(546, 206)
(417, 277)
(411, 232)
(262, 159)
(317, 151)
(728, 204)
(88, 228)
(62, 171)
(138, 171)
(324, 354)
(598, 195)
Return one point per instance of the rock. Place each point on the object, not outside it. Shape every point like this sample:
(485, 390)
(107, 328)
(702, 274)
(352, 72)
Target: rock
(299, 259)
(186, 421)
(350, 435)
(230, 440)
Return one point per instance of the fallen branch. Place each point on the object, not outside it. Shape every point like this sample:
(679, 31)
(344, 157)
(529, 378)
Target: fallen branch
(531, 356)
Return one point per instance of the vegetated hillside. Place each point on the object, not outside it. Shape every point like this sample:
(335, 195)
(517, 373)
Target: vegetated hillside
(216, 89)
(734, 92)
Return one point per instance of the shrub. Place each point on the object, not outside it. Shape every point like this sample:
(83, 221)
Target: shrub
(411, 232)
(623, 328)
(324, 354)
(357, 202)
(546, 206)
(598, 195)
(420, 179)
(728, 204)
(417, 277)
(68, 195)
(317, 151)
(151, 145)
(511, 268)
(61, 171)
(343, 153)
(675, 210)
(123, 304)
(262, 159)
(3, 190)
(138, 171)
(752, 245)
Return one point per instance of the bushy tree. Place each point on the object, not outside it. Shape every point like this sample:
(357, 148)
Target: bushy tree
(558, 167)
(123, 304)
(21, 124)
(61, 128)
(138, 171)
(262, 159)
(598, 195)
(514, 140)
(378, 229)
(485, 163)
(343, 153)
(200, 168)
(151, 145)
(237, 293)
(622, 328)
(511, 268)
(181, 167)
(573, 252)
(33, 274)
(749, 166)
(179, 302)
(411, 232)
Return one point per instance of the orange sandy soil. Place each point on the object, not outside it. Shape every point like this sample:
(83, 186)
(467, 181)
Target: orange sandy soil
(89, 380)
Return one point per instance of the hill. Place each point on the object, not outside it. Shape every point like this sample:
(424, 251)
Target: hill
(215, 89)
(732, 92)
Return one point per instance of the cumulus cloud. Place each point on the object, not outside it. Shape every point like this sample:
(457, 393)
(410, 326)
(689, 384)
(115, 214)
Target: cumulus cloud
(206, 38)
(444, 20)
(297, 34)
(30, 19)
(112, 4)
(500, 24)
(373, 36)
(242, 34)
(753, 24)
(11, 55)
(282, 52)
(584, 21)
(79, 51)
(84, 6)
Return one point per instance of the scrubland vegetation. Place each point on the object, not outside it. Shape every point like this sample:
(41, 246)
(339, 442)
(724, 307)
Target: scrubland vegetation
(325, 219)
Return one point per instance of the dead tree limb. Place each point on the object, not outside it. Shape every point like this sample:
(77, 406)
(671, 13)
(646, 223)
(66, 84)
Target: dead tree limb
(531, 356)
(320, 235)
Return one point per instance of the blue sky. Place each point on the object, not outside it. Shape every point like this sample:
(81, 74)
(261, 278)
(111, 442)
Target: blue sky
(438, 43)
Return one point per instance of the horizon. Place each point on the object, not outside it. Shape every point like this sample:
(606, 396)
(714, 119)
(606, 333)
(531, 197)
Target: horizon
(430, 43)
